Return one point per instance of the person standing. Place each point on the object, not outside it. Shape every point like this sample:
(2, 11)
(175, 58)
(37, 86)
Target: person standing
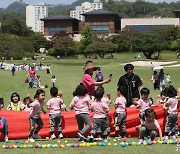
(161, 79)
(132, 84)
(155, 80)
(99, 75)
(87, 79)
(32, 76)
(13, 69)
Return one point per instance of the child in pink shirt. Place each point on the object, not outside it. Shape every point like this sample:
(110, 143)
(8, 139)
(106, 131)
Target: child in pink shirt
(120, 113)
(54, 106)
(161, 98)
(35, 115)
(172, 112)
(100, 110)
(149, 126)
(27, 101)
(81, 104)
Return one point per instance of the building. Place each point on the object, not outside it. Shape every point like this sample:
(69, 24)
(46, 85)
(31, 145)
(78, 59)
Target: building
(102, 21)
(85, 7)
(33, 15)
(143, 25)
(60, 23)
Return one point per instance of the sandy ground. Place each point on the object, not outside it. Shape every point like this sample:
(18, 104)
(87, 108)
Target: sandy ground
(148, 63)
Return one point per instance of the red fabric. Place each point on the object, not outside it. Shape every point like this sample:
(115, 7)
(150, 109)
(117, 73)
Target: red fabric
(18, 122)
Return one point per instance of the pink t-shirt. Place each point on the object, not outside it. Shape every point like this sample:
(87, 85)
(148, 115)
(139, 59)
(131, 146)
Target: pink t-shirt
(54, 105)
(88, 81)
(106, 100)
(143, 105)
(152, 125)
(99, 109)
(81, 104)
(32, 73)
(36, 109)
(120, 103)
(173, 104)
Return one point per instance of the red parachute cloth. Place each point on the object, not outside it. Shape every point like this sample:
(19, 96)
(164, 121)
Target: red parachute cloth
(18, 122)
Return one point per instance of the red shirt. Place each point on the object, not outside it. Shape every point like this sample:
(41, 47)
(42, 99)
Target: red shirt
(32, 73)
(88, 81)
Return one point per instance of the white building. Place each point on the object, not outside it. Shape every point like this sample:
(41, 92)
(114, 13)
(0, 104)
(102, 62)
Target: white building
(85, 7)
(33, 15)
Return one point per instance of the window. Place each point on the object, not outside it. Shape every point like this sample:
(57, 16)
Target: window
(52, 31)
(100, 28)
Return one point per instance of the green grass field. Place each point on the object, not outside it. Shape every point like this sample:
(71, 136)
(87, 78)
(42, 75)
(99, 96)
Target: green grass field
(69, 73)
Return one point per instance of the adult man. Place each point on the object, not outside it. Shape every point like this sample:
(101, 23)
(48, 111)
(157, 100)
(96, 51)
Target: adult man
(132, 85)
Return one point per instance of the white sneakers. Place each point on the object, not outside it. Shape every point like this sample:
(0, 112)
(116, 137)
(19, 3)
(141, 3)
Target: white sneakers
(60, 136)
(53, 137)
(6, 139)
(31, 140)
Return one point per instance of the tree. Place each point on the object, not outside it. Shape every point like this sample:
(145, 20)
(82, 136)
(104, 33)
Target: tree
(87, 38)
(100, 48)
(149, 45)
(64, 46)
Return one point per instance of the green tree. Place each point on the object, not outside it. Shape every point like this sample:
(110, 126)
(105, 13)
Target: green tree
(65, 46)
(100, 48)
(87, 38)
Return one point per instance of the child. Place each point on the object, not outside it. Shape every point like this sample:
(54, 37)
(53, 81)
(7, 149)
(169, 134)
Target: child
(81, 104)
(27, 101)
(54, 106)
(161, 98)
(38, 81)
(3, 124)
(172, 112)
(63, 106)
(35, 115)
(149, 126)
(120, 113)
(16, 104)
(53, 80)
(144, 103)
(100, 110)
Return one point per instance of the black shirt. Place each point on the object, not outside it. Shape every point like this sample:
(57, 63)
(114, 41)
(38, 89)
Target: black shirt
(131, 85)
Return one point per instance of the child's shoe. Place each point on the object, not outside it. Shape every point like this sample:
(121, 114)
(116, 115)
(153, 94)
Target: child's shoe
(81, 136)
(60, 136)
(31, 140)
(36, 136)
(166, 137)
(53, 137)
(91, 139)
(173, 137)
(141, 141)
(6, 139)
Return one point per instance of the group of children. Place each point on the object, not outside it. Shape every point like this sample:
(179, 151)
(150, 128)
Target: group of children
(82, 103)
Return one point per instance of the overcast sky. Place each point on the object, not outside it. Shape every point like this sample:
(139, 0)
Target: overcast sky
(5, 3)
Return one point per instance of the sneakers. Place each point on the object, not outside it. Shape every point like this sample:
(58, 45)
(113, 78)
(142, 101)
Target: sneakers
(173, 137)
(81, 136)
(91, 139)
(36, 136)
(53, 137)
(166, 137)
(6, 139)
(141, 141)
(31, 140)
(60, 136)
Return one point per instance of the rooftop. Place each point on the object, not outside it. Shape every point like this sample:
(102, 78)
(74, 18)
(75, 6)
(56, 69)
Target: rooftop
(58, 17)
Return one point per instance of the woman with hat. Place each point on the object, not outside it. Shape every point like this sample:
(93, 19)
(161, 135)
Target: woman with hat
(87, 79)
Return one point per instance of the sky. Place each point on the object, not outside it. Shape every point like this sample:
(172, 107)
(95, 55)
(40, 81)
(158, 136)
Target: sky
(5, 3)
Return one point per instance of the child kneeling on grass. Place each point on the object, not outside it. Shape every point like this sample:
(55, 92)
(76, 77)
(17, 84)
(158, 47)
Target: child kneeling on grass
(81, 104)
(100, 110)
(35, 115)
(55, 118)
(149, 126)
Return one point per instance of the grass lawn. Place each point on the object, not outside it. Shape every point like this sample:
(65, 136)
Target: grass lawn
(69, 73)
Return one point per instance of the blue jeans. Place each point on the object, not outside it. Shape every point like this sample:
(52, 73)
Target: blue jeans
(5, 126)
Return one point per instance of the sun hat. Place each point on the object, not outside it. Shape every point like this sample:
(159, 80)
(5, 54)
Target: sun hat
(90, 65)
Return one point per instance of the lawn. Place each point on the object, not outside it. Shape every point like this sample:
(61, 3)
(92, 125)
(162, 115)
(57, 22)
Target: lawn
(69, 73)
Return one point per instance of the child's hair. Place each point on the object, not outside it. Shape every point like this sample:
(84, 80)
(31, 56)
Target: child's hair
(162, 93)
(38, 76)
(151, 99)
(98, 93)
(100, 88)
(60, 95)
(53, 76)
(14, 95)
(54, 91)
(145, 91)
(38, 92)
(150, 111)
(171, 91)
(80, 90)
(121, 89)
(27, 98)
